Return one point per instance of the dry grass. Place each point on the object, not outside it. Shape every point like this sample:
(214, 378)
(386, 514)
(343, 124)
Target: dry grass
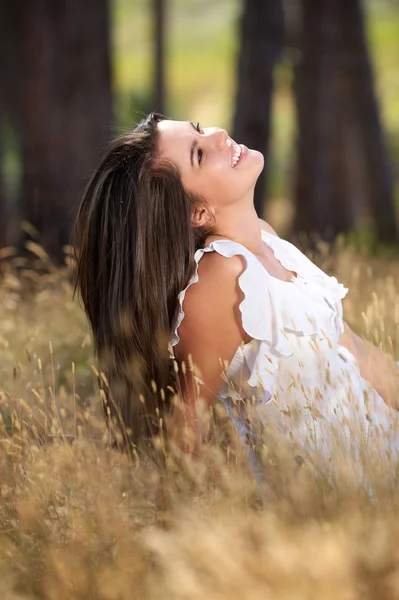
(78, 520)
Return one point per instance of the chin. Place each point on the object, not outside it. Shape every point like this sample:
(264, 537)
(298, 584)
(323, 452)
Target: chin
(257, 159)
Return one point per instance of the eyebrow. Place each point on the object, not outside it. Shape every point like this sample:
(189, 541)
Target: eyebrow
(193, 145)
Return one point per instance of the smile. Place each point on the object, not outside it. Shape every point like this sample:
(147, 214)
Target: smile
(239, 153)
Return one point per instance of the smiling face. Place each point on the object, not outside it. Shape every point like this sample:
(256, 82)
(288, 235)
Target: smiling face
(211, 164)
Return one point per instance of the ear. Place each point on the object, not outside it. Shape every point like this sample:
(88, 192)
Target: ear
(201, 215)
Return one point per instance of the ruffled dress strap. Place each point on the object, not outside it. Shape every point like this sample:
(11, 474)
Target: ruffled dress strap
(270, 308)
(293, 259)
(261, 317)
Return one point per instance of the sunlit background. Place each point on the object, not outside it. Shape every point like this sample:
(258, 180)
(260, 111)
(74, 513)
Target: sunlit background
(103, 85)
(201, 52)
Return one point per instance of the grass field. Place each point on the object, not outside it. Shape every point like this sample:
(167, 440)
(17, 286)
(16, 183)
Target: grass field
(79, 521)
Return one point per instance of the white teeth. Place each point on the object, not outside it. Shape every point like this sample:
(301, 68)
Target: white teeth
(236, 156)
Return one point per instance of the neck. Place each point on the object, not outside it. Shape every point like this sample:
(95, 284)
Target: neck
(241, 225)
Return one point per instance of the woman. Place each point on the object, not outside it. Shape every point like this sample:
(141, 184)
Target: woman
(170, 249)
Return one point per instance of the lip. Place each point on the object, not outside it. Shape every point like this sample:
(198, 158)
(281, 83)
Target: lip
(243, 155)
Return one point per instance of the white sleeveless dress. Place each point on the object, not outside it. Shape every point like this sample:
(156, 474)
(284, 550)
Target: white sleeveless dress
(299, 379)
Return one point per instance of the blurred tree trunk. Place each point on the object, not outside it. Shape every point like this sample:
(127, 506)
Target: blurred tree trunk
(4, 65)
(159, 55)
(377, 164)
(3, 217)
(321, 93)
(63, 107)
(3, 211)
(341, 157)
(261, 38)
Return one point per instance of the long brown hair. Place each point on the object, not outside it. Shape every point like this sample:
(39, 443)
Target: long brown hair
(134, 246)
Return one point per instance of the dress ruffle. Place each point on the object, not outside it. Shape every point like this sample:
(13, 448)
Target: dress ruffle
(270, 308)
(300, 383)
(175, 339)
(294, 260)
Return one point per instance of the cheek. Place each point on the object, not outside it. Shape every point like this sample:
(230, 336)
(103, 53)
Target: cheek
(219, 184)
(214, 183)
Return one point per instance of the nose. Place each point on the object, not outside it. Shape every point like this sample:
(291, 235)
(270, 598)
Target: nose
(219, 138)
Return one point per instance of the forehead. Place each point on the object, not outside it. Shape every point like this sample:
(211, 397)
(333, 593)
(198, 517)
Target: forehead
(175, 139)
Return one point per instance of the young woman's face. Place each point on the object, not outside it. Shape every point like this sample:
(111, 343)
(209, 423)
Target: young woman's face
(211, 164)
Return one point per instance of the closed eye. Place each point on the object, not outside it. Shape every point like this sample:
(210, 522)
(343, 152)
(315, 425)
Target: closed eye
(200, 152)
(194, 145)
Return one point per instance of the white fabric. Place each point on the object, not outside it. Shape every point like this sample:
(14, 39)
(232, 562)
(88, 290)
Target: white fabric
(300, 379)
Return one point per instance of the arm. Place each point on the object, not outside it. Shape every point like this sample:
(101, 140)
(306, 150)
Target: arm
(375, 365)
(210, 334)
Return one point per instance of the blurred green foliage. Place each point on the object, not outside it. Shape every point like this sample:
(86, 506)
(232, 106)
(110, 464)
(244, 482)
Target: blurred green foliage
(200, 71)
(202, 45)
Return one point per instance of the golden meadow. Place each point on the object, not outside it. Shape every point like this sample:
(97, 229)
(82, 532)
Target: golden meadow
(81, 520)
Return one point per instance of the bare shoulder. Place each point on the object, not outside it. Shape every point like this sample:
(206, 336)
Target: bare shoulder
(266, 227)
(211, 306)
(214, 266)
(211, 330)
(217, 285)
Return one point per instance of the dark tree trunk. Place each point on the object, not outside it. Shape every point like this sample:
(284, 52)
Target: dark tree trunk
(159, 55)
(342, 161)
(261, 34)
(321, 90)
(3, 206)
(3, 86)
(377, 164)
(63, 107)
